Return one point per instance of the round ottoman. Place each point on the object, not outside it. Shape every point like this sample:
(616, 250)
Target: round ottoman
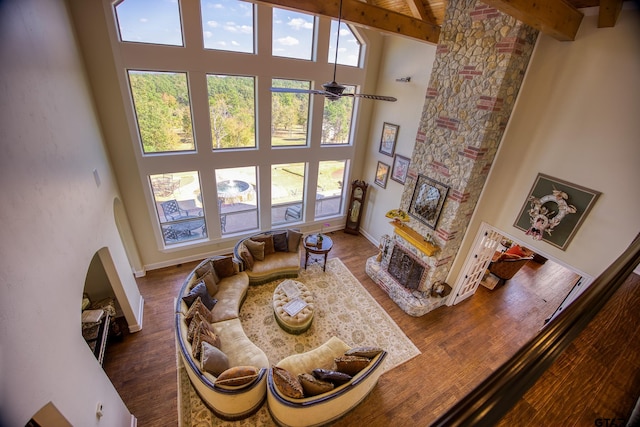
(288, 298)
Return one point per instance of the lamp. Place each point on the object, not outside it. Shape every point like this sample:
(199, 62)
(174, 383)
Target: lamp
(404, 79)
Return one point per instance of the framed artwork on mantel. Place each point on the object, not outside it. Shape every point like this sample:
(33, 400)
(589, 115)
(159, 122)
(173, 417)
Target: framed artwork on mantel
(554, 210)
(427, 201)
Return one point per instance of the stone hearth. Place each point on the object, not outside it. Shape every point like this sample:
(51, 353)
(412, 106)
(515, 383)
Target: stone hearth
(415, 302)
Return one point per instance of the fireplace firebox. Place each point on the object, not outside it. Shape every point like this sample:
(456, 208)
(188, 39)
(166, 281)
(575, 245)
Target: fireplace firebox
(405, 268)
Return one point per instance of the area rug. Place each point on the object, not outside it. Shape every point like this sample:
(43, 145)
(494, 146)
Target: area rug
(343, 308)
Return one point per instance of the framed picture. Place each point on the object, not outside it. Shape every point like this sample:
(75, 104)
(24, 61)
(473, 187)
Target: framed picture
(382, 173)
(427, 201)
(400, 168)
(388, 139)
(554, 210)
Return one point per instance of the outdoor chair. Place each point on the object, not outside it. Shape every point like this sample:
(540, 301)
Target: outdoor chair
(293, 212)
(172, 211)
(223, 217)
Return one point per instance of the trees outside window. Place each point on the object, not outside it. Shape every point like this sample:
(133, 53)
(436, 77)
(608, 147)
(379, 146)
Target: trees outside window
(232, 111)
(163, 111)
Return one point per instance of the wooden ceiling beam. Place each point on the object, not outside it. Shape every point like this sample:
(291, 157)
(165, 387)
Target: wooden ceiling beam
(366, 15)
(417, 9)
(609, 12)
(555, 18)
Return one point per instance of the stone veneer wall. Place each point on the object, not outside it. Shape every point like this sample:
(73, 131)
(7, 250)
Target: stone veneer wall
(480, 63)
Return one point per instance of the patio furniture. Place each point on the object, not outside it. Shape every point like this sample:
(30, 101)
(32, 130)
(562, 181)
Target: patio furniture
(223, 217)
(172, 211)
(293, 212)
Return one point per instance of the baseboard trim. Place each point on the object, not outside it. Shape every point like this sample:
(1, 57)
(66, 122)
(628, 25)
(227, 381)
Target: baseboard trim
(138, 326)
(134, 421)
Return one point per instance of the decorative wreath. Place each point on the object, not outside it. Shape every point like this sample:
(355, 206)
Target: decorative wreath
(545, 220)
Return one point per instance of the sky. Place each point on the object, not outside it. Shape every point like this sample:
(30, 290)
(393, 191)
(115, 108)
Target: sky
(229, 25)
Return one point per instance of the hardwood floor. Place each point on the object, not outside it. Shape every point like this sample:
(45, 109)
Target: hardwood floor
(460, 345)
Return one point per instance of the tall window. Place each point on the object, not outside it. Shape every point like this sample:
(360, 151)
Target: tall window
(287, 192)
(163, 112)
(237, 199)
(289, 114)
(232, 111)
(336, 119)
(149, 21)
(329, 196)
(227, 25)
(292, 34)
(179, 206)
(198, 80)
(348, 47)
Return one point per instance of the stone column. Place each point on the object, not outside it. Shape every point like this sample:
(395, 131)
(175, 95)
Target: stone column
(480, 62)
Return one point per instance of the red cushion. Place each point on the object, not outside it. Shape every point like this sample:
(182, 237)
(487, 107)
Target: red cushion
(516, 250)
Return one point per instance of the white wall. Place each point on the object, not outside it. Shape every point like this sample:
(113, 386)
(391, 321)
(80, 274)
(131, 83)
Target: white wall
(577, 119)
(54, 218)
(401, 57)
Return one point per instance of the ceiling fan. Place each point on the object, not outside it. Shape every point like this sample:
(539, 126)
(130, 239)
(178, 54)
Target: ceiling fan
(334, 90)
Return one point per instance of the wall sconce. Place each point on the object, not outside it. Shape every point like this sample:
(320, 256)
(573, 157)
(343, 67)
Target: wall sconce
(404, 79)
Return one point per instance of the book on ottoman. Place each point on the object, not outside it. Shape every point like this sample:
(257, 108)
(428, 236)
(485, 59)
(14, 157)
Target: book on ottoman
(294, 306)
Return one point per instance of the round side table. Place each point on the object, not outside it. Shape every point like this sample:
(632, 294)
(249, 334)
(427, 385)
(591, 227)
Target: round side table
(311, 247)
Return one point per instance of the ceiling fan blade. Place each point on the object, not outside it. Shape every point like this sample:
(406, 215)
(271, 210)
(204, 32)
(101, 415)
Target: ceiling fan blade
(376, 97)
(294, 90)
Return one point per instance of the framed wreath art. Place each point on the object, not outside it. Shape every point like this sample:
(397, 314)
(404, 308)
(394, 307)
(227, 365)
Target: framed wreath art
(554, 210)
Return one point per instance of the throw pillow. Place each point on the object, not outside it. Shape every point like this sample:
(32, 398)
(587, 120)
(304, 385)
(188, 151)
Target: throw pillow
(256, 249)
(287, 383)
(332, 376)
(204, 333)
(369, 352)
(351, 365)
(280, 243)
(313, 386)
(210, 280)
(208, 266)
(247, 258)
(213, 359)
(200, 271)
(268, 242)
(200, 291)
(198, 307)
(237, 376)
(193, 326)
(293, 239)
(224, 267)
(516, 250)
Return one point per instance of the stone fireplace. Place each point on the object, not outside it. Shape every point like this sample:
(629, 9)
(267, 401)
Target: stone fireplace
(403, 273)
(480, 61)
(405, 268)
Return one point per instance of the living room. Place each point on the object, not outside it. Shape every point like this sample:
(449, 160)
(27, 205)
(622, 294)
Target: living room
(574, 119)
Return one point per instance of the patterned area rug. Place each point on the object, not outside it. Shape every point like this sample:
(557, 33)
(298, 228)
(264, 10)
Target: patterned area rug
(342, 308)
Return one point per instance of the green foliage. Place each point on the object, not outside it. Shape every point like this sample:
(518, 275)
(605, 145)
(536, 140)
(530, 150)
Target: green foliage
(162, 108)
(232, 111)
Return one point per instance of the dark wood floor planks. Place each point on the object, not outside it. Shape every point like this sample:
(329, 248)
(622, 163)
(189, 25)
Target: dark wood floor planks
(460, 345)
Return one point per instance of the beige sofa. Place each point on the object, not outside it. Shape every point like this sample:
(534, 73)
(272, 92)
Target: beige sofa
(326, 407)
(230, 402)
(280, 258)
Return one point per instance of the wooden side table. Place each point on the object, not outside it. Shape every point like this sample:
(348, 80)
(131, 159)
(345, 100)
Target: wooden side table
(312, 248)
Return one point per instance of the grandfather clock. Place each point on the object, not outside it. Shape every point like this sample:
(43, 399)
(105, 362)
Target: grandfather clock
(355, 206)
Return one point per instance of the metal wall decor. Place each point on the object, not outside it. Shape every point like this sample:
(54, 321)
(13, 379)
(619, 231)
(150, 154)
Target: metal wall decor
(427, 201)
(554, 210)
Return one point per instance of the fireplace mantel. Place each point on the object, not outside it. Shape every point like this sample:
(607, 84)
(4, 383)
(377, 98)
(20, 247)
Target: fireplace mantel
(414, 238)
